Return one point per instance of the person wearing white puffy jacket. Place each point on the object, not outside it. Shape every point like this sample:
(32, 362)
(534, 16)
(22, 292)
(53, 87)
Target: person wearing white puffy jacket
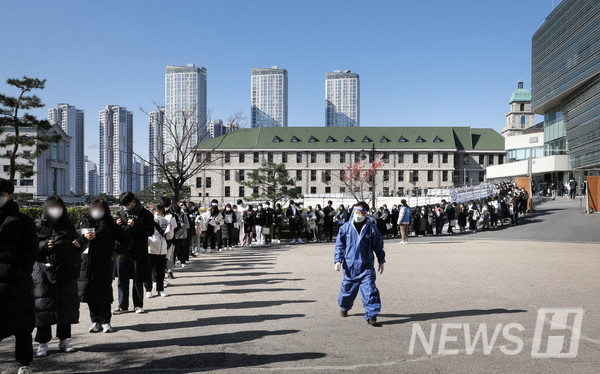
(168, 214)
(157, 250)
(212, 220)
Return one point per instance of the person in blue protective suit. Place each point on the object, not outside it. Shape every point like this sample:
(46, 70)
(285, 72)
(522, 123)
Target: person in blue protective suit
(358, 242)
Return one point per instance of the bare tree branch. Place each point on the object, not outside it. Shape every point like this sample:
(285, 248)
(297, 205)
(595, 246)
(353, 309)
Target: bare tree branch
(179, 161)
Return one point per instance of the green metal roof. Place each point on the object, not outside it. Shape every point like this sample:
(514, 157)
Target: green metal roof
(520, 94)
(305, 138)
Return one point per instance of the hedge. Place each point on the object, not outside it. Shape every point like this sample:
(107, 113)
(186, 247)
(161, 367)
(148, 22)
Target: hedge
(75, 213)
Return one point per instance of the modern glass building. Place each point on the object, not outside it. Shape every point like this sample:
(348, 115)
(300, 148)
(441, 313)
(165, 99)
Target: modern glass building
(269, 97)
(566, 83)
(342, 99)
(70, 119)
(156, 124)
(185, 101)
(116, 150)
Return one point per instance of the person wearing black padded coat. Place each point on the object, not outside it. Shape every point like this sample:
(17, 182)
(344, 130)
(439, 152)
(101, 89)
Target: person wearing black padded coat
(134, 264)
(55, 276)
(18, 252)
(105, 241)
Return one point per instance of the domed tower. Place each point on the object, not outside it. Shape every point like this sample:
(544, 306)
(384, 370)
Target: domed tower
(520, 116)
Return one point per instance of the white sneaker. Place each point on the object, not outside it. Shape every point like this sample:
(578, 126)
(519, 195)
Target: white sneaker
(24, 370)
(293, 241)
(148, 295)
(183, 265)
(65, 346)
(162, 294)
(166, 284)
(300, 241)
(42, 350)
(139, 310)
(106, 328)
(95, 327)
(220, 249)
(230, 248)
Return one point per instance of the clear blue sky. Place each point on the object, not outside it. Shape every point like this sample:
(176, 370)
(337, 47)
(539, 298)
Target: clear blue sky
(421, 63)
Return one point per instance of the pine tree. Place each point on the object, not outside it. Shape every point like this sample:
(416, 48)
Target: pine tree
(272, 182)
(14, 116)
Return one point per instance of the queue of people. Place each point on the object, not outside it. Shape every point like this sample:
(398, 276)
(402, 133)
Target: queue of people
(50, 265)
(502, 208)
(242, 224)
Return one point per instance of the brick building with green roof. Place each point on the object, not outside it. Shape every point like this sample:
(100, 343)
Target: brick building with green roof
(414, 158)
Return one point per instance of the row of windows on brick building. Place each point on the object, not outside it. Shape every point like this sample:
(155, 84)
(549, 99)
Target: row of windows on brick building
(414, 177)
(358, 156)
(386, 191)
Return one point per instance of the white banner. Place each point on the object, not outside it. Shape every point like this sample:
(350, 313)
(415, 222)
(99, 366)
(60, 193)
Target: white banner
(462, 194)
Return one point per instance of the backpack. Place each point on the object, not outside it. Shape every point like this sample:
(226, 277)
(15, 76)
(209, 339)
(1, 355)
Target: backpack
(182, 227)
(157, 244)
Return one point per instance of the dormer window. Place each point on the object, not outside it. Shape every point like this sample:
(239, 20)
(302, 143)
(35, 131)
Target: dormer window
(277, 139)
(366, 139)
(384, 140)
(330, 140)
(420, 140)
(295, 139)
(402, 139)
(312, 139)
(437, 139)
(348, 140)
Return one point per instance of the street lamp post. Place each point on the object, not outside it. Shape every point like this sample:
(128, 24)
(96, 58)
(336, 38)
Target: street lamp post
(374, 172)
(372, 160)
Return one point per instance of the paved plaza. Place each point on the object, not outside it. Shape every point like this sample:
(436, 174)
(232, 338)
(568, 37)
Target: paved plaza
(274, 310)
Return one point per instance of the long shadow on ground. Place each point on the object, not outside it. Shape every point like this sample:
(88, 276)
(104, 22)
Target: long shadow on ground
(194, 341)
(239, 291)
(407, 318)
(239, 305)
(214, 361)
(211, 321)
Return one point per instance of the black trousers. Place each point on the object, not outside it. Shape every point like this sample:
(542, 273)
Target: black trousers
(158, 264)
(277, 232)
(472, 225)
(211, 235)
(182, 250)
(328, 230)
(23, 348)
(126, 272)
(294, 230)
(44, 333)
(439, 225)
(100, 313)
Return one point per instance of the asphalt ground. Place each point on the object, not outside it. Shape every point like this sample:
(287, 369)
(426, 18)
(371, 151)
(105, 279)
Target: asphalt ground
(274, 309)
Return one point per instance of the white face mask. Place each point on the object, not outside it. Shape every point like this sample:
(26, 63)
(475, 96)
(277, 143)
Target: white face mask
(3, 200)
(359, 217)
(55, 212)
(97, 214)
(228, 209)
